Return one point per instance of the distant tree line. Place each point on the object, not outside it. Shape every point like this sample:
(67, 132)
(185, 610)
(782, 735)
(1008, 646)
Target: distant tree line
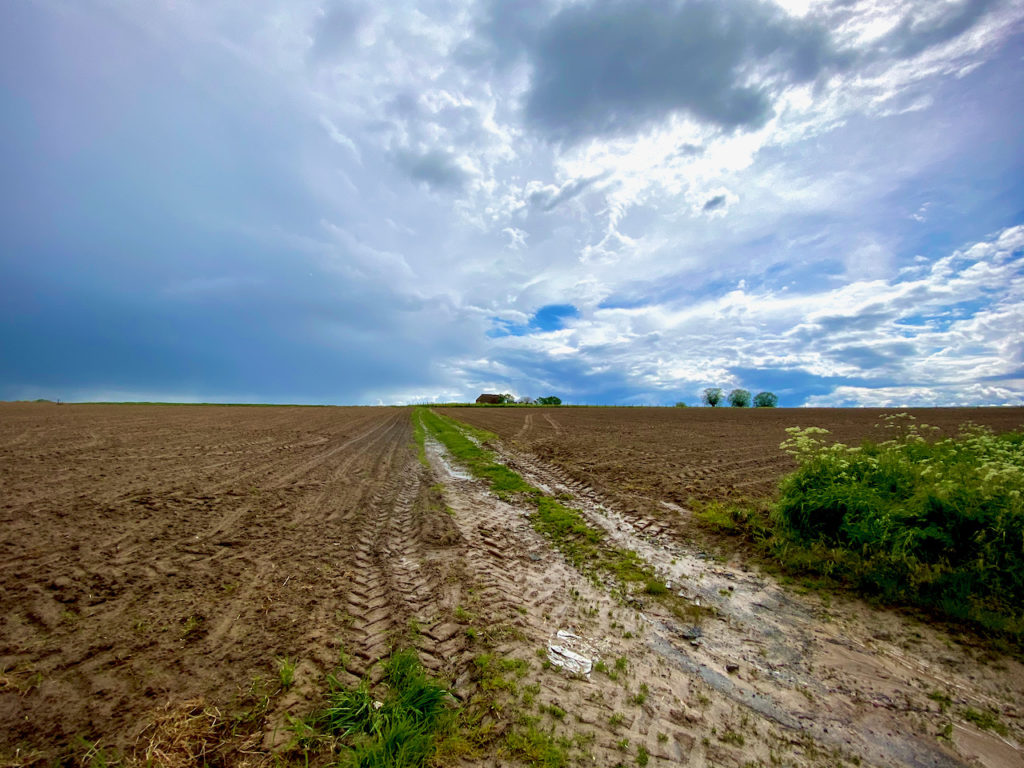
(737, 398)
(510, 399)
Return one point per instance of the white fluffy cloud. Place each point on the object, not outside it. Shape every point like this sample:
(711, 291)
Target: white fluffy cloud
(726, 189)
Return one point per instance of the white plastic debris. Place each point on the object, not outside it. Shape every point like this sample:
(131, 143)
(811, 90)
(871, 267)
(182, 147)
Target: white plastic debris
(562, 657)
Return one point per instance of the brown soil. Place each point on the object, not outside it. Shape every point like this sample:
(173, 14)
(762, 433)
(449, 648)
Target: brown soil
(157, 562)
(642, 457)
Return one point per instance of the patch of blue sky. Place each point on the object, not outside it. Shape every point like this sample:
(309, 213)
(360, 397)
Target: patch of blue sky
(917, 320)
(553, 316)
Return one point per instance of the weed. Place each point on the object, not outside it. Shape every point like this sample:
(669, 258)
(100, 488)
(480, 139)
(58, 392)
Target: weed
(554, 710)
(491, 672)
(583, 545)
(530, 694)
(535, 747)
(622, 745)
(641, 756)
(986, 721)
(943, 700)
(419, 435)
(285, 672)
(94, 756)
(641, 696)
(616, 720)
(655, 587)
(731, 737)
(662, 737)
(621, 663)
(191, 628)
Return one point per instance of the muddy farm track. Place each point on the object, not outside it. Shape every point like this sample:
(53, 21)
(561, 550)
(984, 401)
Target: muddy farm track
(159, 562)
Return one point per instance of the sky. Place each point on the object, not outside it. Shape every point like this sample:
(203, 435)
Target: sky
(313, 201)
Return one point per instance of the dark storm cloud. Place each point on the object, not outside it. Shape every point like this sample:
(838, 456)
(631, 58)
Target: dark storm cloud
(334, 30)
(611, 67)
(716, 202)
(434, 167)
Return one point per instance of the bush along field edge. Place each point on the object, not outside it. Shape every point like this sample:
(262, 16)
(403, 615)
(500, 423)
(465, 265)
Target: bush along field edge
(936, 524)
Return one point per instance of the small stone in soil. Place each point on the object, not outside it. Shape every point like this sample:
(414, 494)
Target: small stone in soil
(691, 633)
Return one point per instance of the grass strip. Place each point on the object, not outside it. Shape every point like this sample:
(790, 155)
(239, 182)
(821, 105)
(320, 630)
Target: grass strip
(585, 546)
(420, 437)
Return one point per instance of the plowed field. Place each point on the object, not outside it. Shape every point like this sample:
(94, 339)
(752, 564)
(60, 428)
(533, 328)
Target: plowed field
(641, 456)
(164, 567)
(158, 562)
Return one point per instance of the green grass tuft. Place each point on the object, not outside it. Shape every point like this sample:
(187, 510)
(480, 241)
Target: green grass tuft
(400, 729)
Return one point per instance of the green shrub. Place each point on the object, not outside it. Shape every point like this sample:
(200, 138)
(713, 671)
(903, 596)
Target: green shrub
(937, 523)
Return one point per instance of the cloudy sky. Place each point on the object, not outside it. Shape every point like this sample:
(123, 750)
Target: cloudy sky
(615, 202)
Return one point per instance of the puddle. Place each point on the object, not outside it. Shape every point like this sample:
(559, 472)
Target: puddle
(437, 452)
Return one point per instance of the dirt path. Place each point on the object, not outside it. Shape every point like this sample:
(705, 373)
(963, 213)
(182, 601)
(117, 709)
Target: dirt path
(773, 678)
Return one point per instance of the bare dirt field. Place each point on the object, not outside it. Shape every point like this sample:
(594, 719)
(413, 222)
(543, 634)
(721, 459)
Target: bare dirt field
(644, 456)
(158, 563)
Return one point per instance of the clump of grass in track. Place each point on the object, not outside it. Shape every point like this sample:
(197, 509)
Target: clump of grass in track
(402, 728)
(585, 546)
